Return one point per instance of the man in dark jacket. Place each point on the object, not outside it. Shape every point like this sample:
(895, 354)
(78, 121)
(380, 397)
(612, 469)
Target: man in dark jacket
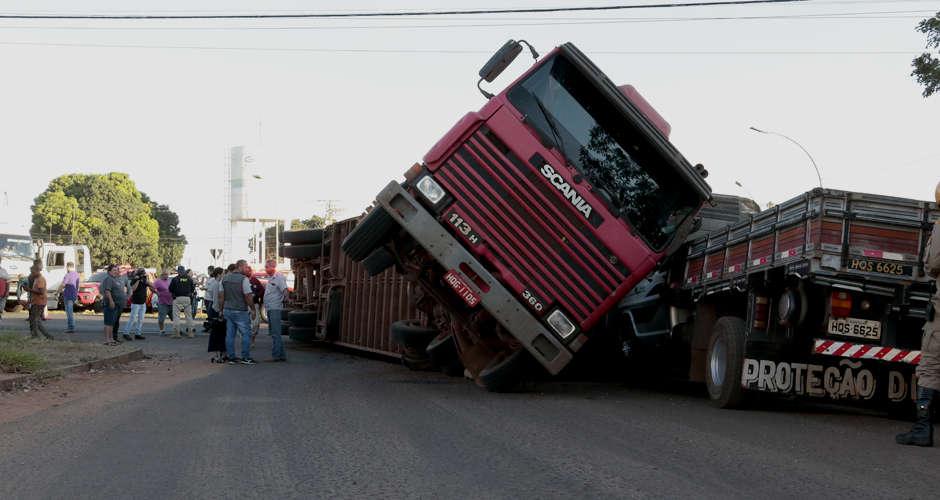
(182, 288)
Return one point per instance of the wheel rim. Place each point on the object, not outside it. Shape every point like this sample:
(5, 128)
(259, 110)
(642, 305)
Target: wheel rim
(718, 361)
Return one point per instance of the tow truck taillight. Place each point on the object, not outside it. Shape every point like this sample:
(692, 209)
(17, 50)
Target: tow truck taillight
(840, 303)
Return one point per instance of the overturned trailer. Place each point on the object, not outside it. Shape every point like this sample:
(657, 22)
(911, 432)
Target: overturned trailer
(337, 301)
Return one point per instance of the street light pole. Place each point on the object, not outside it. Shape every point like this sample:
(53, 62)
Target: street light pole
(755, 129)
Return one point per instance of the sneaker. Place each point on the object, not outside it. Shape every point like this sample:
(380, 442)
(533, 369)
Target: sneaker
(275, 360)
(127, 337)
(69, 331)
(231, 361)
(139, 337)
(162, 333)
(247, 361)
(175, 336)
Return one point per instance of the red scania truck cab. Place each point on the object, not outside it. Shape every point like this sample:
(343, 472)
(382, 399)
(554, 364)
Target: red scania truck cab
(532, 217)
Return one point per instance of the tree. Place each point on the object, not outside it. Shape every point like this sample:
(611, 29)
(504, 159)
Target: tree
(103, 211)
(926, 66)
(171, 244)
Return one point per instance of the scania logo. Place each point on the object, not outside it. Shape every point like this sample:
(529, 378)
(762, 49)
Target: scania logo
(562, 185)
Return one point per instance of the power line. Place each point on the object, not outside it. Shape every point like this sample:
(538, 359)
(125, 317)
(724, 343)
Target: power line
(863, 16)
(336, 15)
(471, 52)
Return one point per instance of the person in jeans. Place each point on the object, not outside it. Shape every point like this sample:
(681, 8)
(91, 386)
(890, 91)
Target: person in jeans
(69, 295)
(182, 288)
(139, 287)
(274, 293)
(164, 299)
(235, 303)
(115, 296)
(37, 302)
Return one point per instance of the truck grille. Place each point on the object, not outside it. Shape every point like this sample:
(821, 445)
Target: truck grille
(533, 231)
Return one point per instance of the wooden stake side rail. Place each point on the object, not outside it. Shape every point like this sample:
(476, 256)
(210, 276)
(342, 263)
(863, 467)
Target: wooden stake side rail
(840, 230)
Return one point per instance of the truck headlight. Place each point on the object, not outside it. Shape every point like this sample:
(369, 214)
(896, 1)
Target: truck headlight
(561, 324)
(431, 189)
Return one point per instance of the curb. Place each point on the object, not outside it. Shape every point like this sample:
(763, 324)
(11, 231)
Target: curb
(9, 384)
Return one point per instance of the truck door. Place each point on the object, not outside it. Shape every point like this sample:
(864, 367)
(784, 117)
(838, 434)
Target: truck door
(55, 273)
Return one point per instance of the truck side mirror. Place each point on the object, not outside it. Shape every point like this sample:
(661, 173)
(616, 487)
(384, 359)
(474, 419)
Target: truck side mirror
(500, 61)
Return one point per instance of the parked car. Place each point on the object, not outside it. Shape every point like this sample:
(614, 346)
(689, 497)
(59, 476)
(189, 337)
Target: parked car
(89, 297)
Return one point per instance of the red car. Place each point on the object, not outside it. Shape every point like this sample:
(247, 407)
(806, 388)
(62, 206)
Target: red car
(89, 297)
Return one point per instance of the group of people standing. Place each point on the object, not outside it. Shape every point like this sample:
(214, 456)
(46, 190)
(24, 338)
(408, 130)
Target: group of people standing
(234, 301)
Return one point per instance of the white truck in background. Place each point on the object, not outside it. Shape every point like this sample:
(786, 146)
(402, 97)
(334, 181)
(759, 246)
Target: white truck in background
(16, 250)
(55, 259)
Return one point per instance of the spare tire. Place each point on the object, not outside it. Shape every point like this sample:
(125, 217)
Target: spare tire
(302, 236)
(372, 231)
(304, 251)
(410, 335)
(302, 318)
(378, 261)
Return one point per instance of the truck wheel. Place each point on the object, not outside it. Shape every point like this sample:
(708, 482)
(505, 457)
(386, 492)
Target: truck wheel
(372, 231)
(378, 261)
(302, 236)
(410, 335)
(302, 318)
(725, 362)
(97, 306)
(443, 353)
(303, 334)
(416, 360)
(334, 314)
(503, 374)
(304, 251)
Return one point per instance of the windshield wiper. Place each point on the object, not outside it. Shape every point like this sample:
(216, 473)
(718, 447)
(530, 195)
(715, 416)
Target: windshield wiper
(556, 136)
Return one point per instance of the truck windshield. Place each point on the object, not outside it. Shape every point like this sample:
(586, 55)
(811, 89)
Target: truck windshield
(15, 246)
(562, 105)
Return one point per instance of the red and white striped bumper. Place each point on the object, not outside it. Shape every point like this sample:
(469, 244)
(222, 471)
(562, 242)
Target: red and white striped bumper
(863, 351)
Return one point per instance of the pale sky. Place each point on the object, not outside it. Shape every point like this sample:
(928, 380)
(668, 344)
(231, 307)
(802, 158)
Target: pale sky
(344, 106)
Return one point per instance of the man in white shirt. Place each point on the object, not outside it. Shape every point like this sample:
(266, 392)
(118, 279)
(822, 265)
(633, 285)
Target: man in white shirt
(274, 293)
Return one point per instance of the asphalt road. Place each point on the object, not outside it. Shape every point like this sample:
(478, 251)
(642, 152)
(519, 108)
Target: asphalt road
(327, 424)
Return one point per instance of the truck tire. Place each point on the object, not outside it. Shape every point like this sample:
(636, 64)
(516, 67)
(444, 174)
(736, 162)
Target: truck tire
(302, 318)
(505, 373)
(724, 363)
(444, 355)
(372, 231)
(285, 315)
(304, 251)
(416, 360)
(303, 236)
(303, 334)
(378, 261)
(97, 306)
(334, 314)
(410, 335)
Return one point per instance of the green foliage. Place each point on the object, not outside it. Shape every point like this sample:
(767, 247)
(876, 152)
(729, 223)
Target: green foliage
(14, 358)
(172, 244)
(926, 66)
(105, 212)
